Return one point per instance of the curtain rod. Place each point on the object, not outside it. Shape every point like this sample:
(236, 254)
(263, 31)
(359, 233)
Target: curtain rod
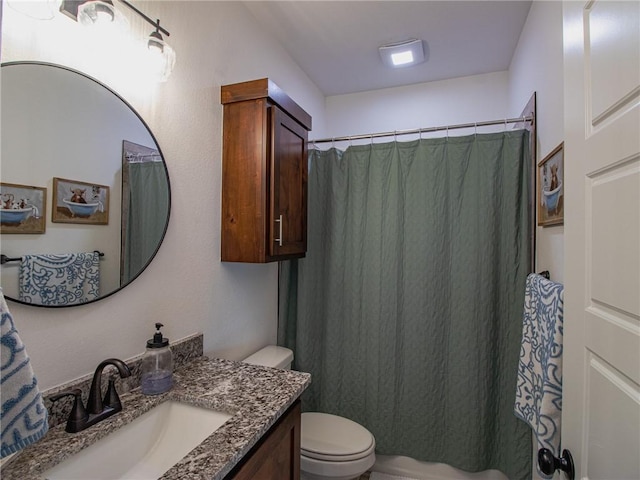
(423, 130)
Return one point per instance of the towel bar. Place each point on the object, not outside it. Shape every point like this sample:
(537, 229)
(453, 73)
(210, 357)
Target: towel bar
(4, 259)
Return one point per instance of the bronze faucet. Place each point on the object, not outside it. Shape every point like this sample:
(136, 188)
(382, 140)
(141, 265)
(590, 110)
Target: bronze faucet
(97, 408)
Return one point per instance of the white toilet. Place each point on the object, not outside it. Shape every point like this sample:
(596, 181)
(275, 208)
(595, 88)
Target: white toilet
(331, 447)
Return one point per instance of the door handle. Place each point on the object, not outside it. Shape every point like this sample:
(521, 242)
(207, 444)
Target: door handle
(279, 239)
(548, 463)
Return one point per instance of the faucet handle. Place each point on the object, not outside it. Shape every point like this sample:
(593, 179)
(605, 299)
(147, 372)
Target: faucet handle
(78, 415)
(111, 398)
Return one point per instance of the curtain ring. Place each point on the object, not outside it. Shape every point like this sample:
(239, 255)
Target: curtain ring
(475, 129)
(505, 124)
(395, 135)
(333, 142)
(371, 139)
(447, 132)
(420, 134)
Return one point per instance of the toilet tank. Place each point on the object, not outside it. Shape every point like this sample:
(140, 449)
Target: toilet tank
(272, 356)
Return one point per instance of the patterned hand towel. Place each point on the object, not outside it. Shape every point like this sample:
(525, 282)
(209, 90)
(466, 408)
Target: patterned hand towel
(539, 389)
(23, 417)
(65, 279)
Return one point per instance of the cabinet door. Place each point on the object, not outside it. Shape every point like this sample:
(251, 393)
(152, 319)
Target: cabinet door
(277, 456)
(288, 192)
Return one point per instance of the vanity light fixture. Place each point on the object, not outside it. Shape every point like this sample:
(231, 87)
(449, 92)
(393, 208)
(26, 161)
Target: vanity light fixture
(96, 12)
(402, 54)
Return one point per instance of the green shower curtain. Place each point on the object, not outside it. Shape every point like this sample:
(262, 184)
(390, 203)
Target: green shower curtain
(407, 309)
(147, 215)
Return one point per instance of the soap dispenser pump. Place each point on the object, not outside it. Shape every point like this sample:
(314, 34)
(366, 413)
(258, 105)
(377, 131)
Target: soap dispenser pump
(157, 365)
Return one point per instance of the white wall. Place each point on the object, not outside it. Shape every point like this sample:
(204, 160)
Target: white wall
(537, 65)
(448, 102)
(186, 287)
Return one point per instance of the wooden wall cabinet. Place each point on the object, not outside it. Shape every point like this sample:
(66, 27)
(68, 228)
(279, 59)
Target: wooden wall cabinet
(264, 174)
(277, 454)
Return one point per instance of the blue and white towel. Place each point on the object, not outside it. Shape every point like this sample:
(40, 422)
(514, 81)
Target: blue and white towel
(65, 279)
(23, 418)
(539, 389)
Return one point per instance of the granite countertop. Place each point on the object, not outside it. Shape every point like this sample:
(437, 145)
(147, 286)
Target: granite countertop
(255, 396)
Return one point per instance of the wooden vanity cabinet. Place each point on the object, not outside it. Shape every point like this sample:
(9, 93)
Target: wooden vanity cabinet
(264, 174)
(277, 455)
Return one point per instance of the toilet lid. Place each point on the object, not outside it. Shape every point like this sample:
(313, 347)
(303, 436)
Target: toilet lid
(332, 438)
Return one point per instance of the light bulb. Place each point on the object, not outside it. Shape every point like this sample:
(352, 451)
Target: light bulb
(96, 12)
(161, 57)
(156, 42)
(402, 58)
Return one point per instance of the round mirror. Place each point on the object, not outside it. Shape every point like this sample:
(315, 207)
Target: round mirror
(84, 193)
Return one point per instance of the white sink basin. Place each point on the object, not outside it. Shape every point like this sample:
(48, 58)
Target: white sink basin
(145, 448)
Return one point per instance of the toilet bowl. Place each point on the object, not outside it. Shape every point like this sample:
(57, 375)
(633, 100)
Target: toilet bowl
(331, 447)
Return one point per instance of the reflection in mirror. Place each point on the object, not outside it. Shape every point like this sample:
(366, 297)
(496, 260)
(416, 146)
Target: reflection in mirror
(144, 203)
(60, 124)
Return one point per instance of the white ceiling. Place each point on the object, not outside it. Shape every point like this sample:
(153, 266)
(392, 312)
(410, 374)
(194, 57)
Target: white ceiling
(336, 42)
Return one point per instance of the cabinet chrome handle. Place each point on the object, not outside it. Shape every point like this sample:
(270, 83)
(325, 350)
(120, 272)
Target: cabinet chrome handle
(279, 239)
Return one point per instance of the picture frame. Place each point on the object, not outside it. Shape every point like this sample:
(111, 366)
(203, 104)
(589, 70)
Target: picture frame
(76, 201)
(550, 188)
(23, 208)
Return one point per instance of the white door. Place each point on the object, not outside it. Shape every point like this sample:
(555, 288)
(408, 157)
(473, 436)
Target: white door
(601, 396)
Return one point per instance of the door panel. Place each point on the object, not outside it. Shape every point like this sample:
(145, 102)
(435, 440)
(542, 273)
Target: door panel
(609, 439)
(612, 35)
(613, 197)
(615, 336)
(601, 385)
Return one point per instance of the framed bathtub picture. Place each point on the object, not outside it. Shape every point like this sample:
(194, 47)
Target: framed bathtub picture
(79, 202)
(551, 188)
(23, 208)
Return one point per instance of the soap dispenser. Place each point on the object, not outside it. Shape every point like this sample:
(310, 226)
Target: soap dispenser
(157, 365)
